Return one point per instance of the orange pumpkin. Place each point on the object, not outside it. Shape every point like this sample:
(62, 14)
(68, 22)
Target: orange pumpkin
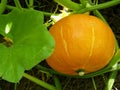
(83, 42)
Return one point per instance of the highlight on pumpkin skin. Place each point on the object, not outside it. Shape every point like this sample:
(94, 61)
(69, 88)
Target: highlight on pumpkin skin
(82, 42)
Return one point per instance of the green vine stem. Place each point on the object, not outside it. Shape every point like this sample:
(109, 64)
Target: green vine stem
(99, 6)
(17, 4)
(98, 14)
(69, 4)
(111, 80)
(2, 6)
(115, 59)
(12, 7)
(47, 69)
(39, 82)
(102, 71)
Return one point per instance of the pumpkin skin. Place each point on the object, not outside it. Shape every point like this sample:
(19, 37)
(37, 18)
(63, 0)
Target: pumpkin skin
(83, 42)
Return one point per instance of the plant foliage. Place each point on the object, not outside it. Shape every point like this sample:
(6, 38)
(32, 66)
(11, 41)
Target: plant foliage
(32, 42)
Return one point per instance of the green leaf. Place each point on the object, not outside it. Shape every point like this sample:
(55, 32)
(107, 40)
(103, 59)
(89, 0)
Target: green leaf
(32, 43)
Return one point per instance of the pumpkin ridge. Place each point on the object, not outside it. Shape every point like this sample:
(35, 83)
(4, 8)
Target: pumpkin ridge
(92, 42)
(64, 42)
(65, 47)
(93, 39)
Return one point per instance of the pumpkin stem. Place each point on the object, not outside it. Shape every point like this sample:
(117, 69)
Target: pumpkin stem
(81, 72)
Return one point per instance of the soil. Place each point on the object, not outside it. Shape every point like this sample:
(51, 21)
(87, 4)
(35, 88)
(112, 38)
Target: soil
(112, 15)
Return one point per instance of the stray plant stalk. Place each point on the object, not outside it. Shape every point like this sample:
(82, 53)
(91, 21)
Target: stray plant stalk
(57, 83)
(111, 80)
(93, 81)
(17, 3)
(2, 6)
(39, 82)
(31, 2)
